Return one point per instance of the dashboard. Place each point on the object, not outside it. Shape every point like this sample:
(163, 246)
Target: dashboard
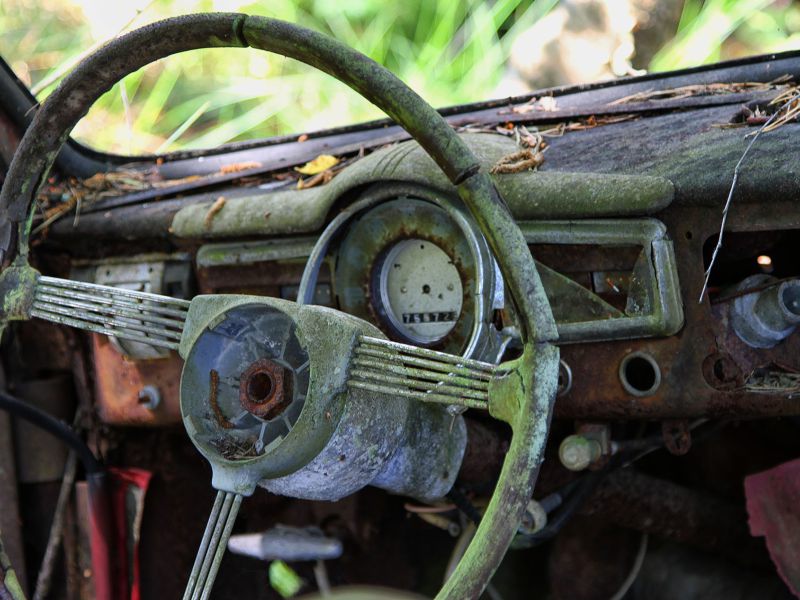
(621, 216)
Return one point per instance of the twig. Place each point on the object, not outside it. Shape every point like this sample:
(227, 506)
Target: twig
(45, 577)
(727, 206)
(78, 205)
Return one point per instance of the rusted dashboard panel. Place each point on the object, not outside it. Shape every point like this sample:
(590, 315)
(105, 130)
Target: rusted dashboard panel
(704, 368)
(602, 284)
(135, 392)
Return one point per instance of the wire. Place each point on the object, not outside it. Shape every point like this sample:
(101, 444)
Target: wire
(635, 570)
(571, 496)
(569, 507)
(630, 452)
(464, 505)
(53, 426)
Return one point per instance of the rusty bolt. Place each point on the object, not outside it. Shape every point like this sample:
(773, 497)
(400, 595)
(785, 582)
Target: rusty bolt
(265, 389)
(677, 436)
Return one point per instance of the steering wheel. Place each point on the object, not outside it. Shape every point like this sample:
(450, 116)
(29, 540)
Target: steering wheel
(520, 392)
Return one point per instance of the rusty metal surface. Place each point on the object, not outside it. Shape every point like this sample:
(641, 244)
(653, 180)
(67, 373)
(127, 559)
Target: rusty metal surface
(655, 506)
(685, 391)
(483, 456)
(262, 278)
(119, 381)
(265, 389)
(677, 436)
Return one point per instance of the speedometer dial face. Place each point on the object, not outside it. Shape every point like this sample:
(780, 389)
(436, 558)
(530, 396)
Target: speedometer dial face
(408, 267)
(420, 290)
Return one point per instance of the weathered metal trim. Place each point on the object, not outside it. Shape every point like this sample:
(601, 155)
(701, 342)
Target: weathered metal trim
(395, 369)
(666, 315)
(125, 314)
(247, 253)
(529, 194)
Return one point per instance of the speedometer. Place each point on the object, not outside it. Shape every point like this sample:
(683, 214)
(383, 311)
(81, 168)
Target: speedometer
(412, 261)
(420, 290)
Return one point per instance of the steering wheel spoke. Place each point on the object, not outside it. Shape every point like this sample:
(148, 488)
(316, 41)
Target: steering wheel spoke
(213, 545)
(391, 368)
(124, 314)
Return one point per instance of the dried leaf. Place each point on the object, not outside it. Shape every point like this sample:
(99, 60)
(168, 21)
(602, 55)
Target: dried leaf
(242, 166)
(543, 104)
(212, 212)
(322, 163)
(518, 162)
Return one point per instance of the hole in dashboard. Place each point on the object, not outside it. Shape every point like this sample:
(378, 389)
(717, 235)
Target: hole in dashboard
(746, 253)
(640, 374)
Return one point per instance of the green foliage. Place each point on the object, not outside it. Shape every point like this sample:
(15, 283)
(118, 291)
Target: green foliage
(451, 52)
(711, 30)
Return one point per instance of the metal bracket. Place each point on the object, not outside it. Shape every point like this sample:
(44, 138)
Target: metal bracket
(653, 307)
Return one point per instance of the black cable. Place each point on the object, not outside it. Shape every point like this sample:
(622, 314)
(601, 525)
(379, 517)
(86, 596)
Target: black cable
(464, 505)
(629, 452)
(569, 507)
(570, 497)
(53, 426)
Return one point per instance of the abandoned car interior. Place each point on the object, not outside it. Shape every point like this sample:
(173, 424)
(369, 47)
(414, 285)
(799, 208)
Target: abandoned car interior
(538, 347)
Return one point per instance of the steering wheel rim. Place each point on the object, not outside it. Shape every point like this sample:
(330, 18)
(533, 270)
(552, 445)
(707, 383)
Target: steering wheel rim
(524, 398)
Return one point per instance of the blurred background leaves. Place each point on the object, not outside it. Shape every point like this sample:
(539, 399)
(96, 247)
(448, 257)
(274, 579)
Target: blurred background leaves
(450, 52)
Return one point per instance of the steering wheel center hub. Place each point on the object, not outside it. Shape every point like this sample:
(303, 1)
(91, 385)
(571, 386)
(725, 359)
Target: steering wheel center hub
(265, 389)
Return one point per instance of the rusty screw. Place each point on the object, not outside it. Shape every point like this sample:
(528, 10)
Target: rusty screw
(265, 389)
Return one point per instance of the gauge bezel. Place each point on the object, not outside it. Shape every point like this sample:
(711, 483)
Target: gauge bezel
(362, 250)
(483, 341)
